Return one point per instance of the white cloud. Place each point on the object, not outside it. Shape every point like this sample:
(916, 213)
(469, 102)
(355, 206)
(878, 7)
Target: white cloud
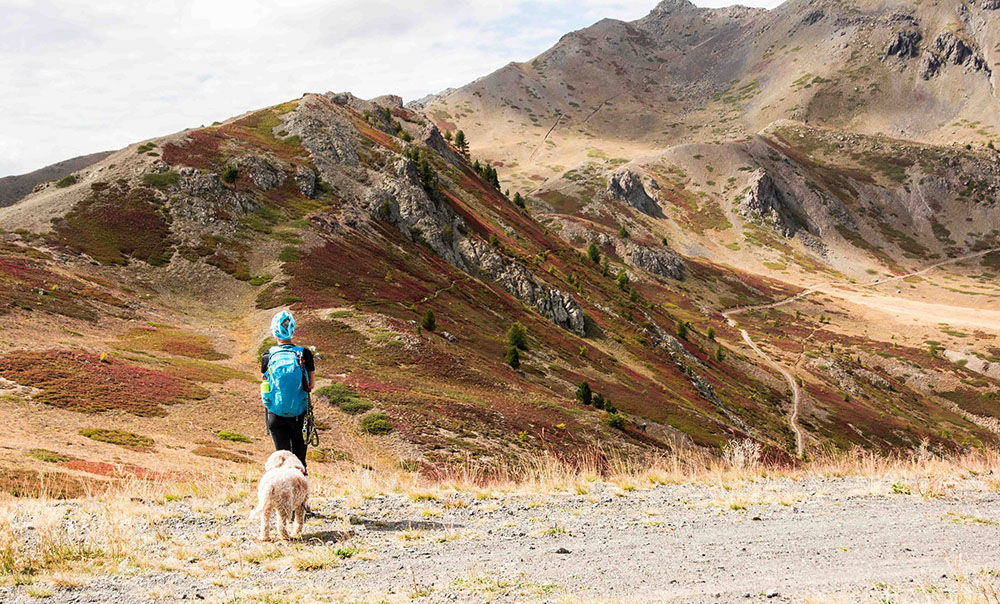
(80, 77)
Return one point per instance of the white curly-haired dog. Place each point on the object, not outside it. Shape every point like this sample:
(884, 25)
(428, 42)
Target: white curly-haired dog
(284, 488)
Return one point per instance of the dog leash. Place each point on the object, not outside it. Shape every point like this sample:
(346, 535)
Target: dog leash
(310, 433)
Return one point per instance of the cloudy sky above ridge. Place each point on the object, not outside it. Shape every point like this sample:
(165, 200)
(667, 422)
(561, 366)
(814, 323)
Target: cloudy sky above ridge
(80, 77)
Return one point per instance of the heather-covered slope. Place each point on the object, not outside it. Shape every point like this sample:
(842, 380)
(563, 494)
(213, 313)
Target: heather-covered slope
(139, 297)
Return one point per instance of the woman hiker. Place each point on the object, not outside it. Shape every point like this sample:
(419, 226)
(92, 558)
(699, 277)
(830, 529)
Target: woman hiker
(288, 372)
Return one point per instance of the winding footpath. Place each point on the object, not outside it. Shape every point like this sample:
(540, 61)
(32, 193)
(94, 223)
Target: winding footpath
(793, 418)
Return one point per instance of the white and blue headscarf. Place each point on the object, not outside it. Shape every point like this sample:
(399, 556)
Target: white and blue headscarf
(283, 325)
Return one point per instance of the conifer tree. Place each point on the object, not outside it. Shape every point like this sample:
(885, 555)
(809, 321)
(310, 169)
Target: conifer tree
(593, 253)
(461, 143)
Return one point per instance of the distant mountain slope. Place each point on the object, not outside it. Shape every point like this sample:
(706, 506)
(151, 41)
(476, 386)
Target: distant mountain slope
(13, 188)
(920, 71)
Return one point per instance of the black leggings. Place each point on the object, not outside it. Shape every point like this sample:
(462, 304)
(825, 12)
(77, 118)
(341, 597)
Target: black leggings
(286, 432)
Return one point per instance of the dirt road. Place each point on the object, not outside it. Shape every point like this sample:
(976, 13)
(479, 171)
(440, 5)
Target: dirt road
(779, 541)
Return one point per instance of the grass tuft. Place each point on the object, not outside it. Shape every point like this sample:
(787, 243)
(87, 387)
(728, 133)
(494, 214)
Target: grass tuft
(118, 437)
(235, 437)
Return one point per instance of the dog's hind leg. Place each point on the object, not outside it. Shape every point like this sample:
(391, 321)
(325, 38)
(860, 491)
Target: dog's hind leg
(300, 518)
(283, 523)
(265, 524)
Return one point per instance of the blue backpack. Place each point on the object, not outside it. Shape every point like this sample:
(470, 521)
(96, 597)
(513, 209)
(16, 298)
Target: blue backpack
(285, 376)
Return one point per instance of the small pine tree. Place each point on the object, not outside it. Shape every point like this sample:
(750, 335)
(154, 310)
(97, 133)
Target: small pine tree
(461, 143)
(518, 200)
(512, 357)
(633, 295)
(605, 266)
(710, 333)
(622, 280)
(720, 355)
(447, 135)
(426, 172)
(682, 330)
(598, 400)
(622, 232)
(494, 240)
(517, 336)
(584, 395)
(593, 253)
(427, 321)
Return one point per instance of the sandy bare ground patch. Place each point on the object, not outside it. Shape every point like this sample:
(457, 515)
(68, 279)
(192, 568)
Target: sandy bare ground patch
(780, 540)
(922, 312)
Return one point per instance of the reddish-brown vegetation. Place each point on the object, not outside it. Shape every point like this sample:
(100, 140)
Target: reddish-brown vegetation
(81, 381)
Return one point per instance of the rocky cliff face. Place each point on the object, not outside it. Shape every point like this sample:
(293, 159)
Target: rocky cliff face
(627, 186)
(764, 202)
(949, 49)
(656, 260)
(904, 44)
(559, 307)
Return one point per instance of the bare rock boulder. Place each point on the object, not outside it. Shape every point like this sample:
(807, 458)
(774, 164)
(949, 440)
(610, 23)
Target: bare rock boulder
(764, 202)
(626, 185)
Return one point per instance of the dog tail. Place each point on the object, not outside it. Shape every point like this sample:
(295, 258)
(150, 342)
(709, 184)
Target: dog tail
(256, 513)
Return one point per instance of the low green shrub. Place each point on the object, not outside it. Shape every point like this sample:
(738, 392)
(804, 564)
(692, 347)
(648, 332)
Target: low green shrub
(345, 397)
(229, 174)
(376, 423)
(66, 181)
(289, 253)
(161, 180)
(615, 420)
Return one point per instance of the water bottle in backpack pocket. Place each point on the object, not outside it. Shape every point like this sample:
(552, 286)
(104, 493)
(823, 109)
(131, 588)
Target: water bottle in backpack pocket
(285, 376)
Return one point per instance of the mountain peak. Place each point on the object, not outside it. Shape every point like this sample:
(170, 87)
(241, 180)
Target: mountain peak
(668, 6)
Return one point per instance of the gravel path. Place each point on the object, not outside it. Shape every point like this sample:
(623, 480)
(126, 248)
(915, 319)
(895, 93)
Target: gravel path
(779, 541)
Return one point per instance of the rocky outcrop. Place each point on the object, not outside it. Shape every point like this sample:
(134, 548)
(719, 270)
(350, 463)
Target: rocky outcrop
(330, 139)
(305, 181)
(431, 137)
(397, 196)
(905, 44)
(557, 306)
(656, 260)
(261, 171)
(764, 202)
(947, 49)
(204, 201)
(625, 185)
(990, 4)
(813, 17)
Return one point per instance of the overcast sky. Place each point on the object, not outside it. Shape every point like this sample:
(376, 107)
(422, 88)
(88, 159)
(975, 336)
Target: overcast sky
(79, 76)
